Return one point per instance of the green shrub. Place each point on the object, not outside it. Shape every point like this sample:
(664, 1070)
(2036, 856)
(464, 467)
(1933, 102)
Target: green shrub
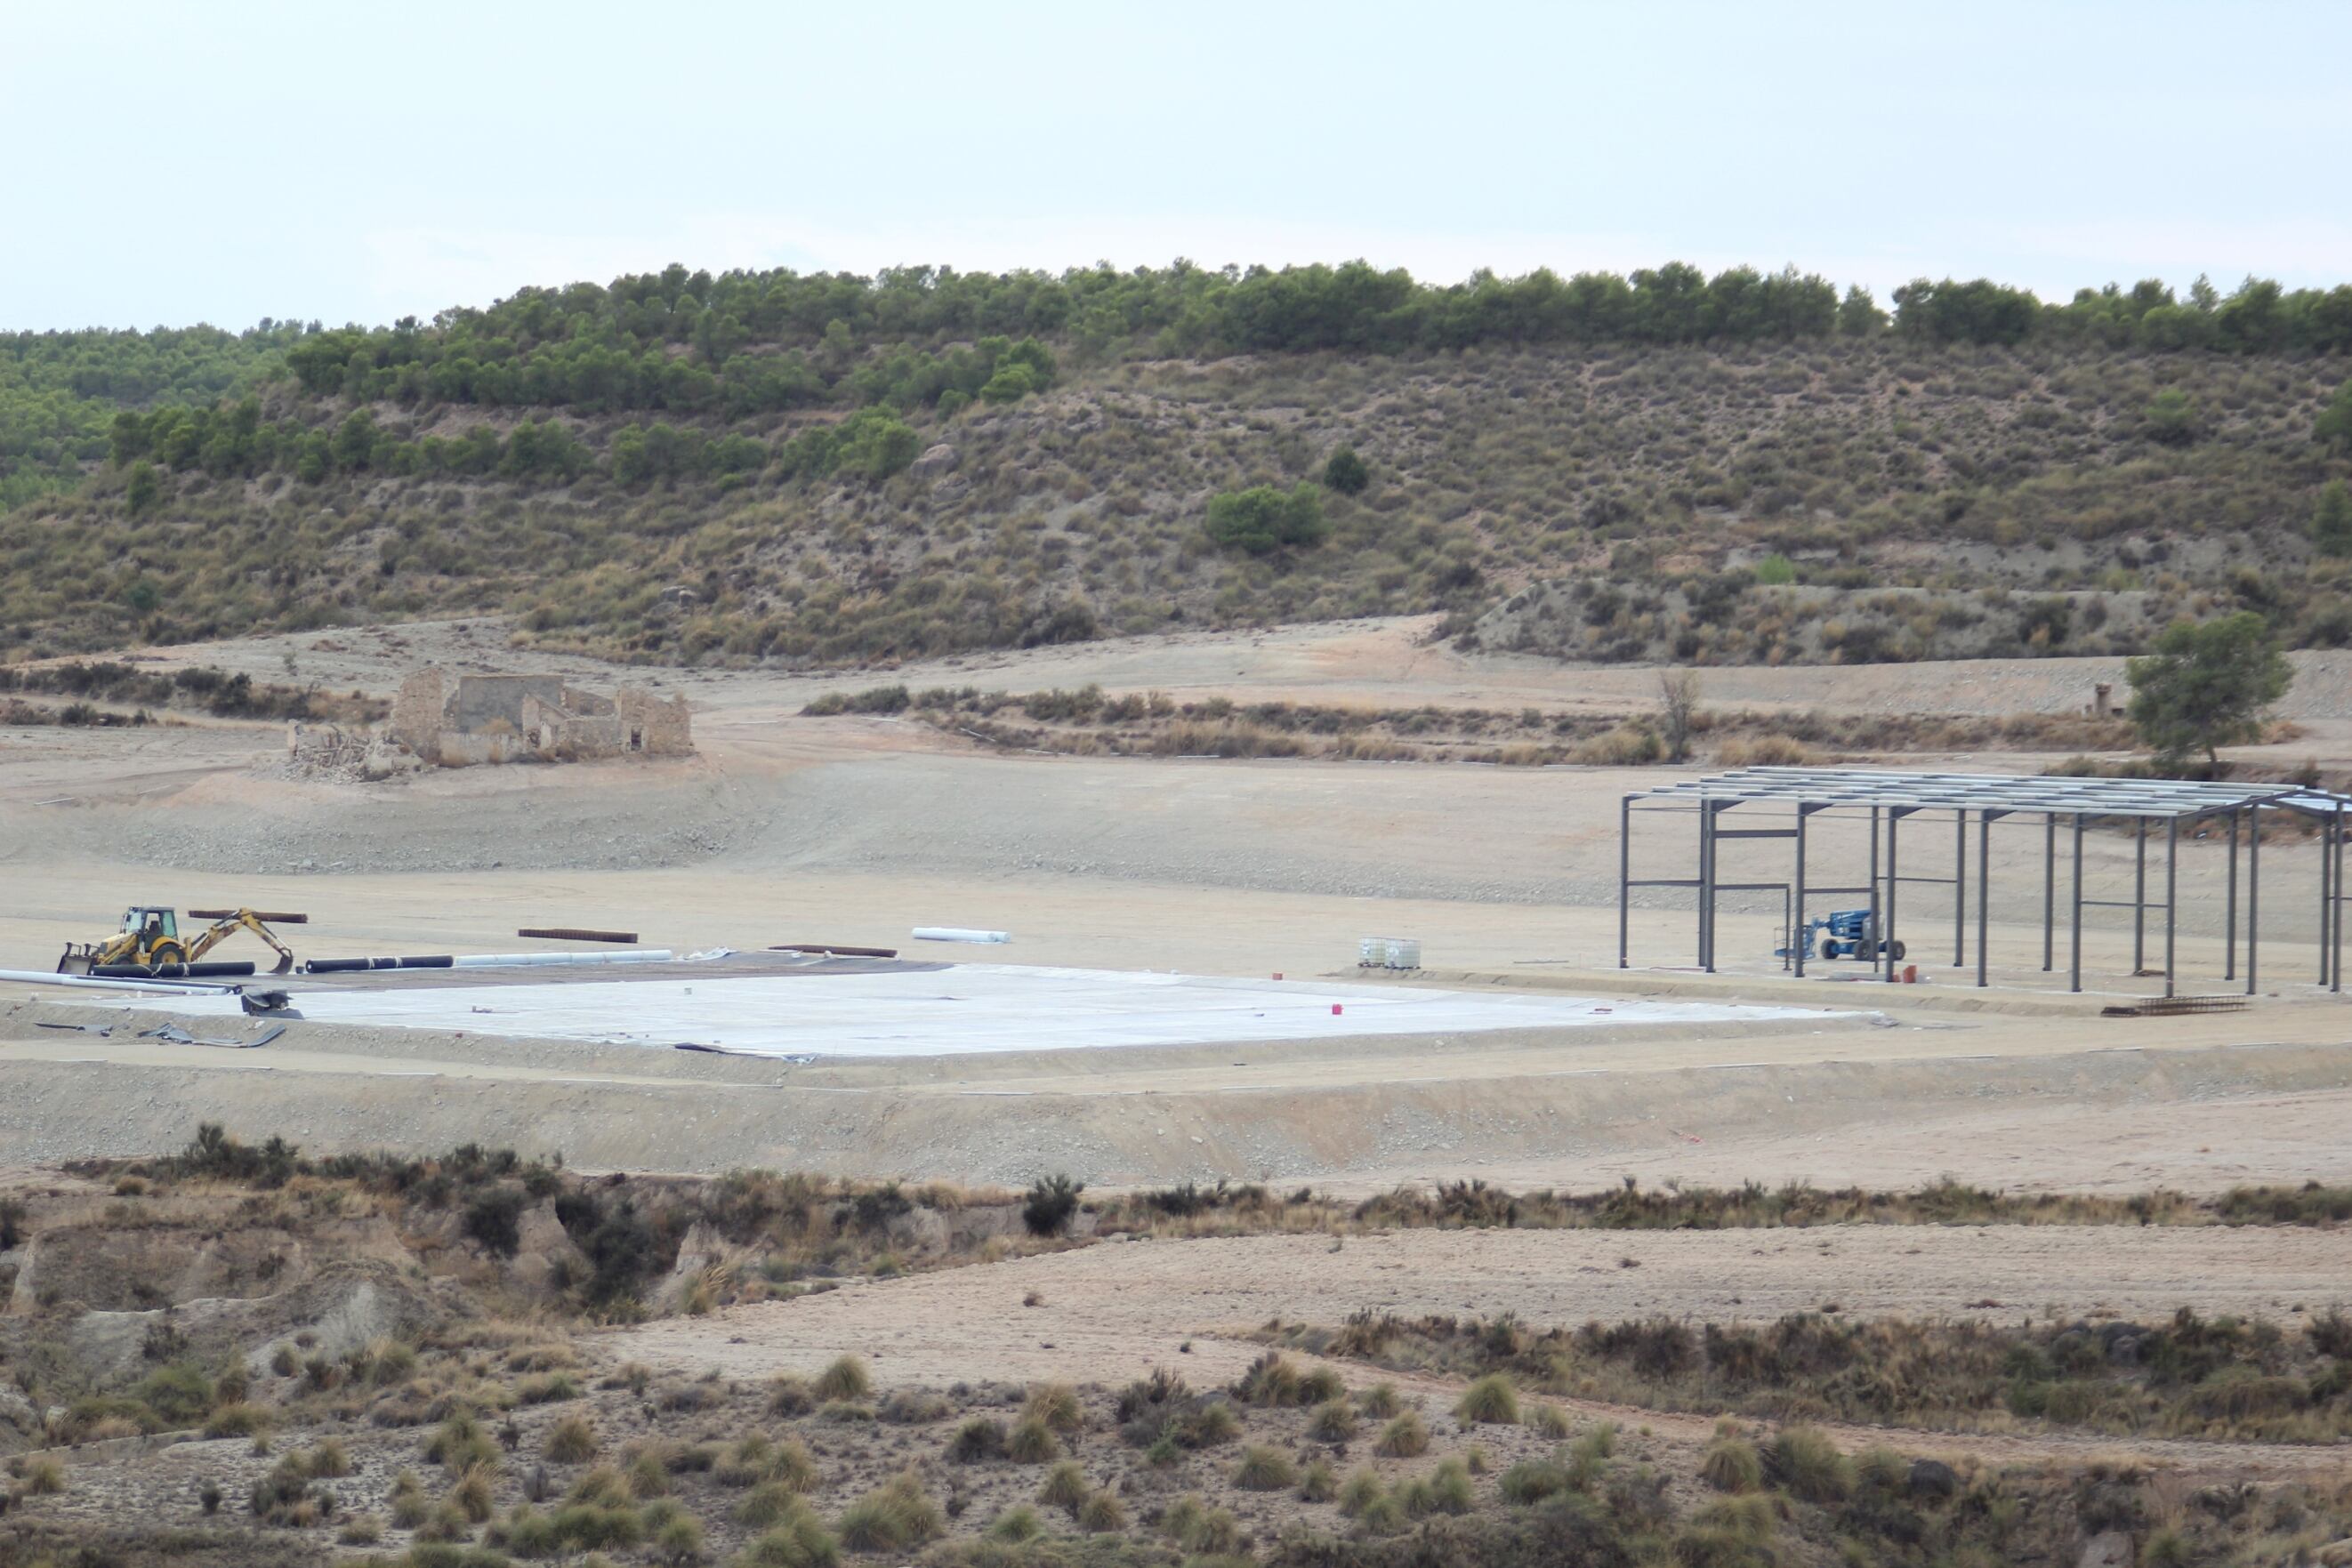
(896, 1516)
(1102, 1513)
(679, 1543)
(1810, 1466)
(1018, 1523)
(1263, 518)
(570, 1441)
(1057, 1404)
(1531, 1480)
(1490, 1401)
(1064, 1487)
(1031, 1442)
(1345, 472)
(793, 1538)
(977, 1440)
(1732, 1465)
(1405, 1438)
(1446, 1490)
(1052, 1202)
(1332, 1422)
(1261, 1469)
(846, 1378)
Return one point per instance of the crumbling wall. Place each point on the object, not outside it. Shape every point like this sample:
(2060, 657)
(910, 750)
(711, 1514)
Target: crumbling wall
(459, 721)
(659, 727)
(419, 712)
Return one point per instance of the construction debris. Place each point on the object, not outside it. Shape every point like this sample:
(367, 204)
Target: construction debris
(574, 933)
(834, 950)
(2172, 1007)
(173, 1034)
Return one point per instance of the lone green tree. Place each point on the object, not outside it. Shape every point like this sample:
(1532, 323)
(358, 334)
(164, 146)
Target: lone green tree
(1345, 472)
(2206, 686)
(1264, 517)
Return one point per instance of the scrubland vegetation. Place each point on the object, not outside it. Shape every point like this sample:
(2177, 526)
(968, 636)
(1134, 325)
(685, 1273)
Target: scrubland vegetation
(1087, 722)
(763, 467)
(475, 1426)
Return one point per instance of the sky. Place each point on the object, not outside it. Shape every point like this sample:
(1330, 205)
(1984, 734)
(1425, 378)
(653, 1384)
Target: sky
(236, 159)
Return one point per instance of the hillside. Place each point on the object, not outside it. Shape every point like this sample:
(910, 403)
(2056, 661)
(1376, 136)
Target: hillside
(770, 467)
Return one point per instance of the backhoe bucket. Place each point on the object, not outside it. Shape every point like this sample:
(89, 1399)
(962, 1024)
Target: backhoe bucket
(285, 962)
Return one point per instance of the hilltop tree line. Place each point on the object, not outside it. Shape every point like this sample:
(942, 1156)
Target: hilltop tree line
(59, 391)
(737, 345)
(744, 343)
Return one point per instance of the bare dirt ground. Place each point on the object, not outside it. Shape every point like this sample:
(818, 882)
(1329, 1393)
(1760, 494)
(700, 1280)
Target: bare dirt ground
(856, 829)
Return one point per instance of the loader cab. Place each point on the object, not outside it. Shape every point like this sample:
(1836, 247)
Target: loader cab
(151, 924)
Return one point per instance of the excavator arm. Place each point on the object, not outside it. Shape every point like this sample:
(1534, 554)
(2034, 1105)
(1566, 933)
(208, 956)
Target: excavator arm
(229, 926)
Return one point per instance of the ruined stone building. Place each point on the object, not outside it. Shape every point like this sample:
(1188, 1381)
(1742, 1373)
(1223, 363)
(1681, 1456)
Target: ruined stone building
(455, 720)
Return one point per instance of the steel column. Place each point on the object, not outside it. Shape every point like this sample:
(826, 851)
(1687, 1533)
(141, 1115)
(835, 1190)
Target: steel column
(1886, 937)
(2074, 973)
(1960, 884)
(2171, 894)
(2049, 888)
(2229, 907)
(1798, 941)
(1984, 889)
(2326, 842)
(1875, 935)
(2254, 893)
(2339, 981)
(2139, 894)
(1624, 875)
(1706, 886)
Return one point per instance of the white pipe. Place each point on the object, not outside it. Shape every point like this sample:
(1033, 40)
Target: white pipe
(958, 934)
(100, 983)
(542, 960)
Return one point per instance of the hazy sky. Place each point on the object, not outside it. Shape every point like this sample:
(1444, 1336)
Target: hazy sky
(228, 160)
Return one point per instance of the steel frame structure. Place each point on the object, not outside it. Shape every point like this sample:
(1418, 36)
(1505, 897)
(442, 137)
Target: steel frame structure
(1891, 797)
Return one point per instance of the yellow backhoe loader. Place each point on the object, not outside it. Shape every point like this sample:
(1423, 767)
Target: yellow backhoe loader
(151, 937)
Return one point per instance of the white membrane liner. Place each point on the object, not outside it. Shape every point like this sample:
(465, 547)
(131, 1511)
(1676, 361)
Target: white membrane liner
(969, 1009)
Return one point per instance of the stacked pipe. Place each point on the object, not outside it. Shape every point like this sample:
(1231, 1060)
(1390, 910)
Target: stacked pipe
(169, 971)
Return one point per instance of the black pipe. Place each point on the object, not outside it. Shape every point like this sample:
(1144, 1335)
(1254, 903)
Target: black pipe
(169, 971)
(347, 965)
